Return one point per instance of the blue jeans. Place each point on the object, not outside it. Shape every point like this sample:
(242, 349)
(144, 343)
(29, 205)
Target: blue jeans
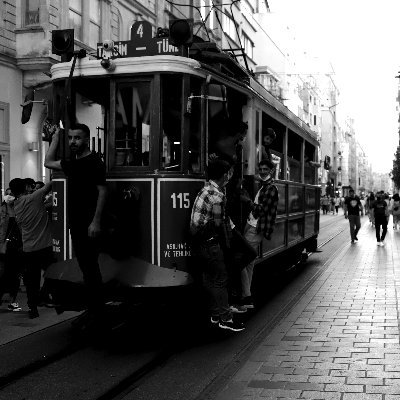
(355, 225)
(215, 279)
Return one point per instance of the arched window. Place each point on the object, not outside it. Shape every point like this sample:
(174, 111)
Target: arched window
(115, 24)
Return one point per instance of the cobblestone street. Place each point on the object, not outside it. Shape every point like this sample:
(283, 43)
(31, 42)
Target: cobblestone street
(341, 341)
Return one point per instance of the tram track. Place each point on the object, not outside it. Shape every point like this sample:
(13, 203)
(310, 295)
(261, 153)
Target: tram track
(153, 360)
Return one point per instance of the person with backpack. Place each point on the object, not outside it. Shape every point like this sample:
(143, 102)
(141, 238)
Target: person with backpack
(395, 209)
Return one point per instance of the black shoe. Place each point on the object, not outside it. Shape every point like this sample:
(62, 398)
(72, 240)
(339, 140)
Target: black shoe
(33, 313)
(231, 325)
(356, 238)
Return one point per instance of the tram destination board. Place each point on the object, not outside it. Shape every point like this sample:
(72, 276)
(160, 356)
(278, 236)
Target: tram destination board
(142, 43)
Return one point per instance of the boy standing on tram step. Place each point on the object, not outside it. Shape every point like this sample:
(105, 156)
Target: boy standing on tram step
(260, 223)
(86, 180)
(380, 211)
(211, 229)
(33, 221)
(352, 208)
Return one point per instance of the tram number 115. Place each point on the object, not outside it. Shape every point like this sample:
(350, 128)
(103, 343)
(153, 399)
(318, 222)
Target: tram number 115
(180, 200)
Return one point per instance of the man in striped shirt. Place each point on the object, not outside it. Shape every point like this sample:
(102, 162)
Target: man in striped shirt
(211, 229)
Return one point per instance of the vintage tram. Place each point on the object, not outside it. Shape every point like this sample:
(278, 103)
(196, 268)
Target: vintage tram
(156, 112)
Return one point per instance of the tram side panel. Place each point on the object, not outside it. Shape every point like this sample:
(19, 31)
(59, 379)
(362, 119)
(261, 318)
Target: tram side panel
(297, 221)
(146, 233)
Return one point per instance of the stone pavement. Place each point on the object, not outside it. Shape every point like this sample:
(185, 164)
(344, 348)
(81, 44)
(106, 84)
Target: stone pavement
(14, 325)
(341, 340)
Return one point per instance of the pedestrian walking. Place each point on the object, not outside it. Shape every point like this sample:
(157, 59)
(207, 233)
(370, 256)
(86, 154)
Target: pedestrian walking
(368, 206)
(337, 204)
(33, 221)
(11, 252)
(352, 209)
(395, 210)
(332, 205)
(260, 222)
(86, 200)
(325, 204)
(381, 216)
(211, 230)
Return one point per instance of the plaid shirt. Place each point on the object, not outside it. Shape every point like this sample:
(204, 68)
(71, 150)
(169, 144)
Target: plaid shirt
(209, 207)
(266, 208)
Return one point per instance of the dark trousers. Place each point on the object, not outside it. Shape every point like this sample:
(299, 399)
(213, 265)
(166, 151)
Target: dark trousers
(35, 262)
(87, 253)
(13, 266)
(380, 220)
(215, 279)
(355, 225)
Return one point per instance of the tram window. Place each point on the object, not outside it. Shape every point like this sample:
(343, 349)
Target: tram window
(225, 122)
(309, 164)
(132, 123)
(294, 157)
(171, 94)
(195, 125)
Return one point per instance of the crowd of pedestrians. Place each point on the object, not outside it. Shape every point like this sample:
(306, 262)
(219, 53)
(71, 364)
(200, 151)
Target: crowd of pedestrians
(377, 206)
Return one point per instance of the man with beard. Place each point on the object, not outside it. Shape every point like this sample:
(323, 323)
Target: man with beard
(86, 199)
(260, 223)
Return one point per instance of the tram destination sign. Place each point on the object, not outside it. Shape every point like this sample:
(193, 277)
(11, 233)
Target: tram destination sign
(142, 43)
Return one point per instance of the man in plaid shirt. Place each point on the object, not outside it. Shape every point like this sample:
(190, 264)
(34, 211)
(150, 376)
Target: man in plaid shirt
(211, 229)
(260, 223)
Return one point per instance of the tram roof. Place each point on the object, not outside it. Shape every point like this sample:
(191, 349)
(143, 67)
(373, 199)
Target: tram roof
(175, 64)
(147, 64)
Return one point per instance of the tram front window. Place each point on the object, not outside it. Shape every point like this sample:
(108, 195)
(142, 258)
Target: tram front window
(171, 92)
(132, 123)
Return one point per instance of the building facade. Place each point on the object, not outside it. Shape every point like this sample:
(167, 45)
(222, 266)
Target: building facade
(245, 29)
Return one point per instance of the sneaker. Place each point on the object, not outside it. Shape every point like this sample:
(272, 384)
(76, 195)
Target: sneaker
(247, 302)
(33, 313)
(382, 243)
(378, 243)
(231, 325)
(14, 307)
(237, 309)
(214, 320)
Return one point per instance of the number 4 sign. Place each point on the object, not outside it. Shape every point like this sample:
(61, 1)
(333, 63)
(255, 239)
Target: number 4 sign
(141, 31)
